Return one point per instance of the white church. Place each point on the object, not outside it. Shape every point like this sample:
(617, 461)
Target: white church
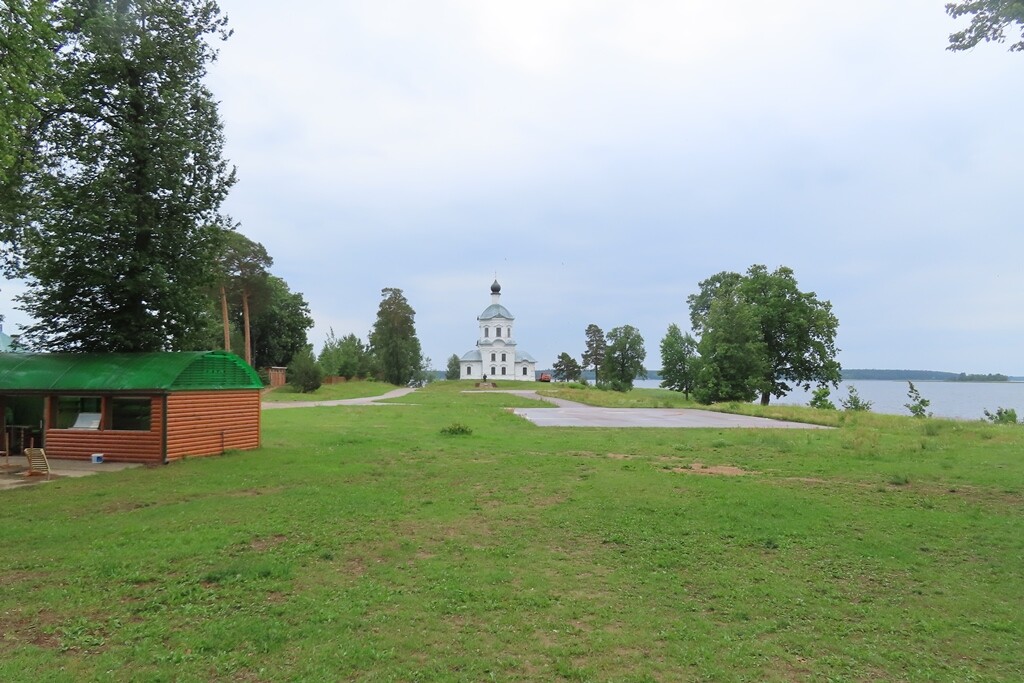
(495, 355)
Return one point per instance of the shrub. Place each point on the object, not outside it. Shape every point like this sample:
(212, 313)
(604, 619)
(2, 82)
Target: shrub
(853, 402)
(918, 405)
(1002, 416)
(820, 399)
(304, 373)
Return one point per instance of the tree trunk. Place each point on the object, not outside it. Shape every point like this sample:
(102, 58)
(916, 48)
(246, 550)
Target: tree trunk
(765, 397)
(245, 322)
(224, 317)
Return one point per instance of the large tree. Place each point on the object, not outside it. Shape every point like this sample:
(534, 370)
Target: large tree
(990, 20)
(593, 356)
(119, 231)
(796, 331)
(731, 351)
(393, 341)
(624, 358)
(28, 43)
(679, 361)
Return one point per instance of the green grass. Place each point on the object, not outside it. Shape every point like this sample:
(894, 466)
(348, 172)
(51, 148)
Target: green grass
(362, 543)
(329, 392)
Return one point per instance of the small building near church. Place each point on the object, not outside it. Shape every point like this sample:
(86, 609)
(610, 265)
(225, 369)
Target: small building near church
(130, 407)
(496, 355)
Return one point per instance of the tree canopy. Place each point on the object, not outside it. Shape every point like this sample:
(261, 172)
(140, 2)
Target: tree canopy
(454, 369)
(760, 334)
(118, 206)
(279, 325)
(990, 21)
(393, 340)
(679, 361)
(566, 368)
(624, 358)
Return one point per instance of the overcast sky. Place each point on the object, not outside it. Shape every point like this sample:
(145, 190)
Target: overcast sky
(601, 158)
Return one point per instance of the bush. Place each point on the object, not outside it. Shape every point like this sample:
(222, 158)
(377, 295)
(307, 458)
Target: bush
(853, 402)
(304, 373)
(1002, 416)
(820, 399)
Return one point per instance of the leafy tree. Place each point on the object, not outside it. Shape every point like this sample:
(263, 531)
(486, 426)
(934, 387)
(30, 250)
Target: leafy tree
(28, 43)
(393, 340)
(990, 20)
(820, 399)
(279, 326)
(303, 372)
(918, 405)
(731, 351)
(454, 370)
(624, 358)
(593, 356)
(566, 368)
(347, 357)
(853, 402)
(679, 361)
(122, 195)
(796, 330)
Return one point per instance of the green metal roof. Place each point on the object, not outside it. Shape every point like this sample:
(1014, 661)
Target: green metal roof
(99, 372)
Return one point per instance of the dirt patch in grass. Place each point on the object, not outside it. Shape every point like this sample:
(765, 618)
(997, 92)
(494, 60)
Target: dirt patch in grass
(619, 456)
(719, 470)
(261, 544)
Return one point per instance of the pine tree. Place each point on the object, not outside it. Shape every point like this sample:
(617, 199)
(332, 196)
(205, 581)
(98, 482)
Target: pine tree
(393, 340)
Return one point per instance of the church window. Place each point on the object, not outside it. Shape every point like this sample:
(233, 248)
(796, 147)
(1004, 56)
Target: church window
(524, 372)
(502, 358)
(492, 370)
(503, 369)
(469, 370)
(492, 358)
(487, 332)
(497, 331)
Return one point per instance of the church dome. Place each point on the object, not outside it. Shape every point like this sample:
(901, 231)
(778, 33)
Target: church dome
(496, 311)
(495, 288)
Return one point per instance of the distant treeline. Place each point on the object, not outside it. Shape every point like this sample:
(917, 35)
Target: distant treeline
(920, 375)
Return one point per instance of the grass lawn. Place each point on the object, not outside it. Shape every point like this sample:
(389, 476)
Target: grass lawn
(329, 392)
(362, 543)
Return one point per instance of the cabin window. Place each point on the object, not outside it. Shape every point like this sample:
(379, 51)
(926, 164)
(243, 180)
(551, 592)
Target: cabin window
(469, 371)
(130, 414)
(497, 331)
(79, 412)
(503, 369)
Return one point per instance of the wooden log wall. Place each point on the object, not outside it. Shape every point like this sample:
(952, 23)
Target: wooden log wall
(211, 422)
(115, 445)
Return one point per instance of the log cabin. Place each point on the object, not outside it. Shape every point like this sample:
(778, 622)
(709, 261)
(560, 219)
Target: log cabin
(129, 407)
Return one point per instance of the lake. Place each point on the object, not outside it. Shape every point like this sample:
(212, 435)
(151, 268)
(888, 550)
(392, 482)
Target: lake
(963, 400)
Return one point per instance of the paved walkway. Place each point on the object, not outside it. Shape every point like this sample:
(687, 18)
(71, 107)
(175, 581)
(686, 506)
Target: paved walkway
(365, 401)
(11, 470)
(572, 414)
